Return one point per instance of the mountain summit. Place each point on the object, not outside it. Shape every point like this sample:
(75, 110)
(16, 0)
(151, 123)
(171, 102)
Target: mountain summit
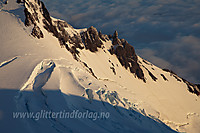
(46, 65)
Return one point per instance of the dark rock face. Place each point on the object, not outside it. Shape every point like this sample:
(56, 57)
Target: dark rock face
(34, 13)
(89, 69)
(32, 18)
(64, 37)
(198, 89)
(36, 32)
(103, 37)
(50, 28)
(62, 24)
(126, 55)
(151, 74)
(45, 13)
(116, 40)
(28, 18)
(48, 24)
(77, 41)
(113, 69)
(163, 76)
(193, 88)
(91, 39)
(61, 33)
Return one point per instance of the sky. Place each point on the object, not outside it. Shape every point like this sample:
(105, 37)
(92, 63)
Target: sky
(166, 33)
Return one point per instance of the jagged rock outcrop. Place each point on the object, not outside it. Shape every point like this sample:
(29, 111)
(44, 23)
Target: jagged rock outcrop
(48, 23)
(150, 74)
(126, 55)
(28, 18)
(163, 76)
(103, 37)
(193, 88)
(198, 86)
(36, 32)
(31, 17)
(115, 39)
(64, 37)
(91, 39)
(32, 11)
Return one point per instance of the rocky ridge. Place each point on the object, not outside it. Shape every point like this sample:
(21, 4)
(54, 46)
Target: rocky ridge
(36, 14)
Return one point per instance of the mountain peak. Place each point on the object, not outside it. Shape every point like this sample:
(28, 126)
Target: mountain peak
(90, 39)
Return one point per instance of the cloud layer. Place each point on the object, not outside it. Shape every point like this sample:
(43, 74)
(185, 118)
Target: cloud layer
(166, 33)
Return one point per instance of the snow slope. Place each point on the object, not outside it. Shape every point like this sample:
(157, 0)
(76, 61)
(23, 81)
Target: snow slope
(39, 74)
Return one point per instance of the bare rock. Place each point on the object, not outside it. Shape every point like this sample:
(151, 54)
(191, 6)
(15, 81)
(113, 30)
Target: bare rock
(126, 55)
(28, 18)
(36, 32)
(116, 40)
(103, 37)
(91, 39)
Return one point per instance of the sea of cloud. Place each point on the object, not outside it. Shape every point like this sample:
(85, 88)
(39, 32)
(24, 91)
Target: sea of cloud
(167, 33)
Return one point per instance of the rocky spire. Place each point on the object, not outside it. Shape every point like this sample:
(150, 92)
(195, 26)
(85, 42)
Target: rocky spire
(115, 35)
(126, 55)
(103, 37)
(116, 40)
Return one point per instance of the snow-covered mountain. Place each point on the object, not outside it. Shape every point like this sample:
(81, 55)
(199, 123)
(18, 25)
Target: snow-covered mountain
(48, 65)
